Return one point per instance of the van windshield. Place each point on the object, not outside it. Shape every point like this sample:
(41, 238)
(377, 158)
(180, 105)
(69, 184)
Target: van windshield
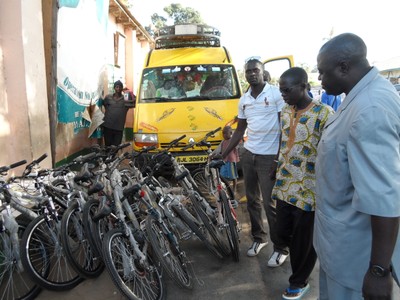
(189, 83)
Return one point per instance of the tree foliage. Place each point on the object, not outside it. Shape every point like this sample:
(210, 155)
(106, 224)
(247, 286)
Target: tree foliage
(177, 14)
(183, 15)
(158, 21)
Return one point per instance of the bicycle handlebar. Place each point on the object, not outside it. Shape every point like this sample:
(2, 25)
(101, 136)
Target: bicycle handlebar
(12, 166)
(17, 164)
(122, 146)
(29, 167)
(174, 142)
(211, 133)
(113, 149)
(40, 159)
(143, 150)
(203, 141)
(77, 160)
(84, 158)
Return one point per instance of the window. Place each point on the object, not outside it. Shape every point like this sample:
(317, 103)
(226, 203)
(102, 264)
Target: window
(191, 82)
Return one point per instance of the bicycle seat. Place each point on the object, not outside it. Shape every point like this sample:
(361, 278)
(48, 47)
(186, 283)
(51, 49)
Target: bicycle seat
(84, 174)
(216, 164)
(181, 176)
(103, 212)
(97, 187)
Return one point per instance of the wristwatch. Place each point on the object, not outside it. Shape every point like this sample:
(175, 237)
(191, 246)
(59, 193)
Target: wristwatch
(378, 271)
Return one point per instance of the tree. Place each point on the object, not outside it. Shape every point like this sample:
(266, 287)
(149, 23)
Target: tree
(305, 66)
(177, 14)
(158, 21)
(182, 15)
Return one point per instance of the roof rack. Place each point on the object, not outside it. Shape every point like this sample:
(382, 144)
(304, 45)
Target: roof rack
(187, 35)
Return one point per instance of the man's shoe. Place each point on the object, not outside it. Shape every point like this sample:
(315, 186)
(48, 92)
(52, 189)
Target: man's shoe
(256, 248)
(276, 259)
(295, 293)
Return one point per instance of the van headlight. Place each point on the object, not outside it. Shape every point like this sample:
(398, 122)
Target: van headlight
(145, 139)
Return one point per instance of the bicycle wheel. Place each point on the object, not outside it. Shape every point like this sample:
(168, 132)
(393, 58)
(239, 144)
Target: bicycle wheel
(172, 259)
(135, 278)
(196, 227)
(45, 236)
(76, 244)
(14, 283)
(219, 239)
(231, 229)
(95, 230)
(202, 184)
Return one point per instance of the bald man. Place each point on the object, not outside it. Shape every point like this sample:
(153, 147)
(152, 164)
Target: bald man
(358, 177)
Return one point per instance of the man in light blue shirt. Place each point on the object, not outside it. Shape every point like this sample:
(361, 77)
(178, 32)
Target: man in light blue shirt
(331, 100)
(356, 232)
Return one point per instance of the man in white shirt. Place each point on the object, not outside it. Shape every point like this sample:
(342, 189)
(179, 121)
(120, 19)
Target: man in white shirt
(259, 110)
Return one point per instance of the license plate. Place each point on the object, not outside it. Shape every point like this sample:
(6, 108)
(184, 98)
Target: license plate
(191, 159)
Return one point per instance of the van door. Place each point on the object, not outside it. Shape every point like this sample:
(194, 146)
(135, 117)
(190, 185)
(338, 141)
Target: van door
(276, 66)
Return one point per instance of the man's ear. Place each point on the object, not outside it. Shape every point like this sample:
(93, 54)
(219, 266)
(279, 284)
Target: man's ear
(344, 67)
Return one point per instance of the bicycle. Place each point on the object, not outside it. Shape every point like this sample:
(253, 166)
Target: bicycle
(199, 207)
(125, 247)
(215, 185)
(162, 227)
(161, 235)
(227, 218)
(43, 234)
(199, 223)
(203, 177)
(111, 222)
(96, 209)
(75, 241)
(15, 282)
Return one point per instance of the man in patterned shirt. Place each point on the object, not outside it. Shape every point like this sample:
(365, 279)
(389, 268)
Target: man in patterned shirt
(302, 121)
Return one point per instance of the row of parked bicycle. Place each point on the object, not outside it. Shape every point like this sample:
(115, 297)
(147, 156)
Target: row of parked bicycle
(60, 226)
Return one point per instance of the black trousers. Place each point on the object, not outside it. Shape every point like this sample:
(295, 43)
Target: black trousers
(112, 136)
(296, 227)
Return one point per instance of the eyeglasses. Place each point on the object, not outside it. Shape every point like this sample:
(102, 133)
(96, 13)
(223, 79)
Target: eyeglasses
(288, 89)
(256, 58)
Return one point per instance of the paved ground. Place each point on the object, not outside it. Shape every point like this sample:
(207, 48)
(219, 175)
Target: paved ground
(214, 278)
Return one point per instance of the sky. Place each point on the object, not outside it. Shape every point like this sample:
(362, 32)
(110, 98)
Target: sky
(274, 28)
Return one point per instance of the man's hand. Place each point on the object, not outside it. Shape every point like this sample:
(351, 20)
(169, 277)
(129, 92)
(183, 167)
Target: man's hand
(377, 288)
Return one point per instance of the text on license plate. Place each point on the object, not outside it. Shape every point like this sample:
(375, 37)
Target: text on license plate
(191, 159)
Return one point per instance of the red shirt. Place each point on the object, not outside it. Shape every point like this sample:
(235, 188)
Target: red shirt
(233, 156)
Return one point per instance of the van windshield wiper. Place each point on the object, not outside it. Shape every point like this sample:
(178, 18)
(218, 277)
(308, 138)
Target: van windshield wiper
(161, 99)
(198, 98)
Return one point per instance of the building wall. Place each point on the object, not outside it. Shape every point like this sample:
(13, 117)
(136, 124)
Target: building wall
(26, 98)
(24, 122)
